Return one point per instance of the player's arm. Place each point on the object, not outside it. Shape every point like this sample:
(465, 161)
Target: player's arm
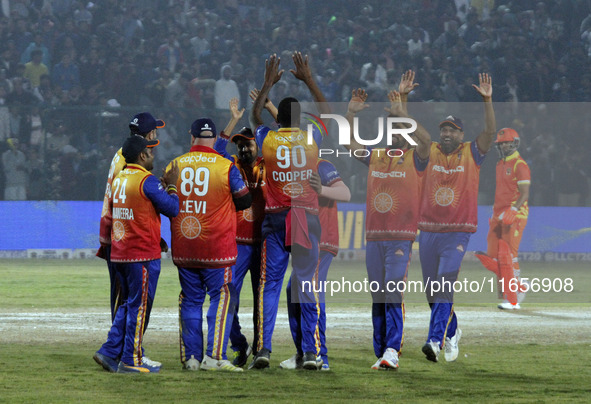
(523, 195)
(304, 73)
(240, 195)
(398, 108)
(164, 198)
(236, 115)
(485, 140)
(272, 76)
(407, 84)
(269, 106)
(356, 104)
(328, 183)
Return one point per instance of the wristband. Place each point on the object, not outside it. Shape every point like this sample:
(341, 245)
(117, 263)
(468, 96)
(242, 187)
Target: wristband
(171, 187)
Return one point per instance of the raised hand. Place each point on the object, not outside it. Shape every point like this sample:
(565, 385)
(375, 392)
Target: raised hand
(253, 94)
(272, 72)
(357, 103)
(407, 83)
(171, 176)
(236, 113)
(396, 107)
(302, 71)
(485, 85)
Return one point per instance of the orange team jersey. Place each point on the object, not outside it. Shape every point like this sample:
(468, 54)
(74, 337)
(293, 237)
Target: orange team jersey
(450, 192)
(511, 172)
(393, 195)
(204, 232)
(135, 235)
(250, 221)
(117, 165)
(328, 211)
(289, 164)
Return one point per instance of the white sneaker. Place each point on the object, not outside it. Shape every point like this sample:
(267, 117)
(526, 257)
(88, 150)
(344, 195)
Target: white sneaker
(508, 306)
(521, 295)
(222, 365)
(451, 346)
(376, 366)
(431, 350)
(390, 359)
(191, 364)
(150, 362)
(292, 363)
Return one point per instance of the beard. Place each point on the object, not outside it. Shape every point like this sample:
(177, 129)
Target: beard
(450, 146)
(247, 158)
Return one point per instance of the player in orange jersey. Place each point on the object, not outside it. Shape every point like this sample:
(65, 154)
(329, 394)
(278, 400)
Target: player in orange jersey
(509, 218)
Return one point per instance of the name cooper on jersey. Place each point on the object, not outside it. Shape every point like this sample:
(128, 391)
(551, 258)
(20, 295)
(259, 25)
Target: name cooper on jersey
(291, 176)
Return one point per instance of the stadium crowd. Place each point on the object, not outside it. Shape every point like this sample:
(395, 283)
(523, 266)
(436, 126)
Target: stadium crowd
(70, 72)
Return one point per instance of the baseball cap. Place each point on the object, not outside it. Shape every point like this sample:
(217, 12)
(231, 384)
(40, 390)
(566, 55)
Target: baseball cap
(203, 125)
(144, 122)
(452, 121)
(244, 133)
(134, 145)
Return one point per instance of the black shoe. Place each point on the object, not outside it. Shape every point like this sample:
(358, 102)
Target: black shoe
(310, 362)
(261, 360)
(240, 357)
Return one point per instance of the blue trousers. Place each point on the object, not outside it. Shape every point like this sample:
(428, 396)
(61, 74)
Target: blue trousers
(249, 259)
(138, 287)
(441, 257)
(295, 315)
(274, 261)
(387, 268)
(195, 284)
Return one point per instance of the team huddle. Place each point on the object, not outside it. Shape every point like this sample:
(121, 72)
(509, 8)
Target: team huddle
(275, 198)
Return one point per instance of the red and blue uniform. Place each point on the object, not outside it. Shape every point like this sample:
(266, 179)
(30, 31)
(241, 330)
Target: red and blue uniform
(449, 215)
(137, 199)
(392, 206)
(248, 239)
(290, 225)
(329, 247)
(204, 249)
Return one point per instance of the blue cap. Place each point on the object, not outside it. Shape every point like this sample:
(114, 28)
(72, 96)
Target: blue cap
(203, 125)
(452, 121)
(134, 145)
(144, 122)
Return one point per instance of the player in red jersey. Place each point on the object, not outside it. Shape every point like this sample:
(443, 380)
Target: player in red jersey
(211, 190)
(136, 201)
(143, 124)
(393, 197)
(291, 211)
(509, 218)
(448, 217)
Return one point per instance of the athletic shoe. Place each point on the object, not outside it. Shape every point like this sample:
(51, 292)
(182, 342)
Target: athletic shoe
(241, 356)
(310, 361)
(261, 359)
(389, 360)
(143, 368)
(223, 365)
(431, 350)
(451, 346)
(191, 364)
(323, 363)
(295, 362)
(521, 295)
(376, 366)
(325, 367)
(109, 364)
(150, 362)
(508, 306)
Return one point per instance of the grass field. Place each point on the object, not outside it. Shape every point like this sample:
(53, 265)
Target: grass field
(54, 316)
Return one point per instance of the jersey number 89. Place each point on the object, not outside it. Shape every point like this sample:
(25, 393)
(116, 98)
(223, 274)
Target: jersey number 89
(195, 180)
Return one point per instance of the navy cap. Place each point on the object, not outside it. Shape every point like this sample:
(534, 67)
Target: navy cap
(244, 133)
(452, 121)
(144, 122)
(134, 145)
(203, 125)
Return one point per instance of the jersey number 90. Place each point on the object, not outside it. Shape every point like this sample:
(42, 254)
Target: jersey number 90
(295, 156)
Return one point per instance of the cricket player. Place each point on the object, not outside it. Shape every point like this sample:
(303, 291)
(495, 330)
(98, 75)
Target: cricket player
(330, 188)
(392, 207)
(291, 211)
(143, 124)
(211, 190)
(509, 218)
(448, 217)
(249, 224)
(137, 200)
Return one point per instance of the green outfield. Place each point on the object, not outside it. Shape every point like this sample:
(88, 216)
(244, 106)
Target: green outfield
(54, 316)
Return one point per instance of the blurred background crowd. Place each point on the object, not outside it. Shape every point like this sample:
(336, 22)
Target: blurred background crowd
(73, 72)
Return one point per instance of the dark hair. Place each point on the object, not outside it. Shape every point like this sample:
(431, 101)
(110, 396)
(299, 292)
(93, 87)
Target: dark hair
(288, 112)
